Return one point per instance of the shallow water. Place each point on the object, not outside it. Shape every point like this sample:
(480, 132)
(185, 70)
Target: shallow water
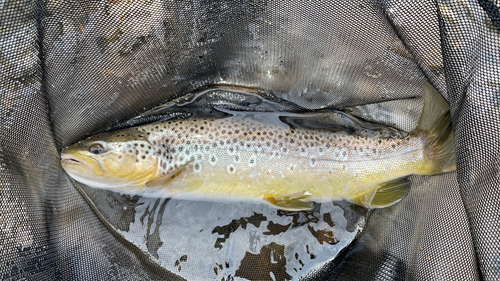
(245, 240)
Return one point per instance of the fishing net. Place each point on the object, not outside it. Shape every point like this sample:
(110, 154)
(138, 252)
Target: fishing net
(72, 68)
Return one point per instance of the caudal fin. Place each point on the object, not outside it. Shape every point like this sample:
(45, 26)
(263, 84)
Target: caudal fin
(435, 123)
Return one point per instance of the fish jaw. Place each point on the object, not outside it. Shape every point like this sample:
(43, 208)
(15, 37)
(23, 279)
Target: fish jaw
(77, 163)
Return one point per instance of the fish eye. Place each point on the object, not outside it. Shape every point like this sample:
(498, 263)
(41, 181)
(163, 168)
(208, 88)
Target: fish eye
(96, 148)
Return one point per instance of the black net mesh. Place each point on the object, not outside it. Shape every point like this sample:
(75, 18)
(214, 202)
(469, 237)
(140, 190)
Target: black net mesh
(72, 68)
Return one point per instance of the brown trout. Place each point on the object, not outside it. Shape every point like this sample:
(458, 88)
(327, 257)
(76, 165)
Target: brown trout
(240, 158)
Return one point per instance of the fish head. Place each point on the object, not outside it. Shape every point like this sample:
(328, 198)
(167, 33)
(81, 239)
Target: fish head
(119, 159)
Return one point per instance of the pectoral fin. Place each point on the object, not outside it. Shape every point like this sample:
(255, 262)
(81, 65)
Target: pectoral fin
(292, 202)
(383, 195)
(165, 180)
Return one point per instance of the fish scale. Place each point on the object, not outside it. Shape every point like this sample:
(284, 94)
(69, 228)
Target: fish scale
(250, 157)
(240, 158)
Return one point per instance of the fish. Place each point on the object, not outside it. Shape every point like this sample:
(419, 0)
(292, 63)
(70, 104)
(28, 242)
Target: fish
(239, 158)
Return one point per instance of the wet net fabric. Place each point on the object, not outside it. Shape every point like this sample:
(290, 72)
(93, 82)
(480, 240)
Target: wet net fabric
(72, 68)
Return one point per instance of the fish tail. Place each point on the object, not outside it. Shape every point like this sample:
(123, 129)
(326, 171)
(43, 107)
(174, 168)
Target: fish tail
(435, 124)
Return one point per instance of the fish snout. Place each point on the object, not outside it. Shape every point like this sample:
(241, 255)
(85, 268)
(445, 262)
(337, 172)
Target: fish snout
(75, 163)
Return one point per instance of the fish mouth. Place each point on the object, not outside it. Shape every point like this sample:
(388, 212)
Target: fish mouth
(68, 161)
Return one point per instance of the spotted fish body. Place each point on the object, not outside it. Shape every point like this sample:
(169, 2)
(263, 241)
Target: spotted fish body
(247, 158)
(238, 157)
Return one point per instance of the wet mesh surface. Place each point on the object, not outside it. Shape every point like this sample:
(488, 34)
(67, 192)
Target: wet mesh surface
(71, 68)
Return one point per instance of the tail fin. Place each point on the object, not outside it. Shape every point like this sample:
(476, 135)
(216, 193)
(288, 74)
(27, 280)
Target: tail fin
(435, 123)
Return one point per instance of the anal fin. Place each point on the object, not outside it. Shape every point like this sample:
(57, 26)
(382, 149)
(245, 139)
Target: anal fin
(383, 195)
(292, 202)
